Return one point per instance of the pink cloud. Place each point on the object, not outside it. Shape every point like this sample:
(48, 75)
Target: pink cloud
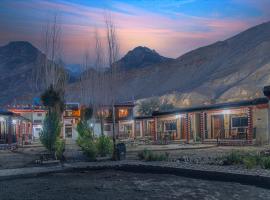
(169, 36)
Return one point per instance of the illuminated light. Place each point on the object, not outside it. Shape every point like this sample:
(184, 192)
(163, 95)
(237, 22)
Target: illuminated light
(2, 119)
(226, 112)
(14, 121)
(178, 116)
(123, 113)
(91, 125)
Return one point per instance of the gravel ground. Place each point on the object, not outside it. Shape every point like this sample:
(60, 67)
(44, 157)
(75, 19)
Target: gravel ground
(23, 157)
(110, 184)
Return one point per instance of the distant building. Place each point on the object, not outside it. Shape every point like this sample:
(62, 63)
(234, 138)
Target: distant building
(71, 117)
(124, 123)
(36, 114)
(14, 129)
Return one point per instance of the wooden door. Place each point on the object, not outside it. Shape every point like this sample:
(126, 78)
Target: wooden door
(152, 129)
(217, 126)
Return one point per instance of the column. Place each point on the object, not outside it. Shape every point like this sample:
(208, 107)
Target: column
(250, 125)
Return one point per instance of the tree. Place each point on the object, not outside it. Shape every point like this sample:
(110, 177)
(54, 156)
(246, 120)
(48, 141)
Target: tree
(148, 106)
(50, 77)
(113, 55)
(52, 99)
(51, 131)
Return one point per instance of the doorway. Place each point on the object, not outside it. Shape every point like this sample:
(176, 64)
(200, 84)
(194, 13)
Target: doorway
(217, 126)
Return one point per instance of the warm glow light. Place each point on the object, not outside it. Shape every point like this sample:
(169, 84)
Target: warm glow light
(226, 112)
(123, 113)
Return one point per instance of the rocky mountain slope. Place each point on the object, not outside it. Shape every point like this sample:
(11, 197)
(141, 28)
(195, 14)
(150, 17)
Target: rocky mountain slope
(140, 57)
(233, 69)
(17, 59)
(18, 62)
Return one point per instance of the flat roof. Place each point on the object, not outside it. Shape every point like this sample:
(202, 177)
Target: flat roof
(252, 102)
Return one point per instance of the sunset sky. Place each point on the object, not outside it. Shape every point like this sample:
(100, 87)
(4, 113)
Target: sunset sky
(171, 27)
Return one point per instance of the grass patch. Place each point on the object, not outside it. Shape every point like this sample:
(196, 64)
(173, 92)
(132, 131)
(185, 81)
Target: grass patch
(248, 159)
(148, 155)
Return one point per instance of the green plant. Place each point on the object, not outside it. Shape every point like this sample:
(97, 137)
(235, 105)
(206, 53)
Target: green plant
(53, 100)
(265, 162)
(51, 131)
(250, 162)
(86, 140)
(104, 145)
(59, 148)
(234, 158)
(148, 155)
(89, 149)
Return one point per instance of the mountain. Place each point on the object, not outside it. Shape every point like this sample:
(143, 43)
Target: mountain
(74, 71)
(19, 62)
(234, 69)
(140, 57)
(17, 59)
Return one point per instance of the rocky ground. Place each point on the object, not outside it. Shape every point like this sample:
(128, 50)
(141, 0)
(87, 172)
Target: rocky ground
(22, 157)
(110, 184)
(26, 157)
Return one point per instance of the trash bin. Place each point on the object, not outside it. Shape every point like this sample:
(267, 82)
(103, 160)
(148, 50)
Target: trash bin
(121, 151)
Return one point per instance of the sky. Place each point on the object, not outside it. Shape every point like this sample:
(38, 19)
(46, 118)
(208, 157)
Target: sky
(171, 27)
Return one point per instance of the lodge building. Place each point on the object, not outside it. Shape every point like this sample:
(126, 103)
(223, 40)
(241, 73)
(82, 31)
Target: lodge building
(14, 129)
(233, 123)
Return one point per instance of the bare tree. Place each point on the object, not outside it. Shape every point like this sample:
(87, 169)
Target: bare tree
(113, 55)
(49, 71)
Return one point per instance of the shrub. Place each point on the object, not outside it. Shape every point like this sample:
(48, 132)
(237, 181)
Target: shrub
(89, 149)
(234, 158)
(59, 148)
(104, 145)
(51, 131)
(86, 140)
(265, 162)
(250, 162)
(148, 155)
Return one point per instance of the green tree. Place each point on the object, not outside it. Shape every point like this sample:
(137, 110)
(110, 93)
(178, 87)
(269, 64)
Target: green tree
(51, 131)
(86, 140)
(52, 99)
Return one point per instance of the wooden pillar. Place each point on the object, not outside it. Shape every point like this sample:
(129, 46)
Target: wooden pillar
(202, 123)
(250, 125)
(187, 127)
(9, 129)
(155, 128)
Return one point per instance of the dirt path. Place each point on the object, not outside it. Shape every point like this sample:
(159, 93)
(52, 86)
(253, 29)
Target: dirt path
(112, 185)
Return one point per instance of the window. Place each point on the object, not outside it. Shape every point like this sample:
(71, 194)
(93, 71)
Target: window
(37, 121)
(239, 122)
(107, 127)
(39, 114)
(170, 126)
(123, 113)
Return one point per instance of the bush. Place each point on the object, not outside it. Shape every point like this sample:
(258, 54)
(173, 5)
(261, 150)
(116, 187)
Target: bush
(89, 149)
(86, 140)
(250, 162)
(148, 155)
(59, 148)
(265, 162)
(234, 158)
(104, 145)
(51, 131)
